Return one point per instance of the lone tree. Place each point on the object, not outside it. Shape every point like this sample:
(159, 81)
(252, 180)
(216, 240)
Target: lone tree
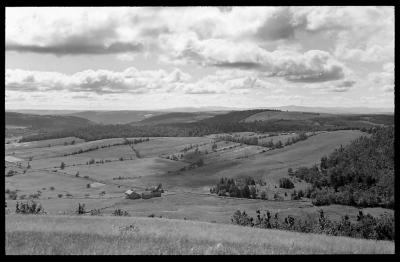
(62, 166)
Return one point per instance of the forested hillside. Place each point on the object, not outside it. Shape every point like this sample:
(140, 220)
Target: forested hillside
(45, 122)
(360, 174)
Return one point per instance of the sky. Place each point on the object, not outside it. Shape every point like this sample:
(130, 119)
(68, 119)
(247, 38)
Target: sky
(130, 58)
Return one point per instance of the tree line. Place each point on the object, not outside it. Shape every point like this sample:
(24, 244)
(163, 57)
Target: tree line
(366, 226)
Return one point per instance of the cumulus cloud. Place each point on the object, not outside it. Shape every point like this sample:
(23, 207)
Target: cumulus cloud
(68, 31)
(229, 50)
(92, 30)
(383, 80)
(277, 26)
(100, 82)
(339, 86)
(134, 81)
(310, 66)
(76, 47)
(228, 82)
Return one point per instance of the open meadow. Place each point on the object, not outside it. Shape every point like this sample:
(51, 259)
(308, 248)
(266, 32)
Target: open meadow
(62, 235)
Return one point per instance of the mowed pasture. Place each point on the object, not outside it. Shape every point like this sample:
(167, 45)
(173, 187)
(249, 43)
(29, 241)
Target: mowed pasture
(135, 170)
(158, 146)
(61, 150)
(60, 235)
(113, 153)
(42, 143)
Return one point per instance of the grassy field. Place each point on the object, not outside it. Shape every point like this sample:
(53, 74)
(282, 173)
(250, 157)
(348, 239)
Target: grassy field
(165, 145)
(128, 235)
(270, 166)
(112, 154)
(42, 143)
(60, 150)
(137, 168)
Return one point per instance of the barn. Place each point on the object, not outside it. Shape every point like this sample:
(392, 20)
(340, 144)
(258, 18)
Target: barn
(147, 195)
(130, 194)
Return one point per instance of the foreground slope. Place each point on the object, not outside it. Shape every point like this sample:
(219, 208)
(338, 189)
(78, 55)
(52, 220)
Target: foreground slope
(131, 235)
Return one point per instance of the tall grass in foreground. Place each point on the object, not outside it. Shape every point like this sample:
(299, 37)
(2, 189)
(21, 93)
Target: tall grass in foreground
(128, 235)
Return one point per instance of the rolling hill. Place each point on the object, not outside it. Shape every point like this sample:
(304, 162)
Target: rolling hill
(178, 117)
(115, 117)
(258, 120)
(45, 122)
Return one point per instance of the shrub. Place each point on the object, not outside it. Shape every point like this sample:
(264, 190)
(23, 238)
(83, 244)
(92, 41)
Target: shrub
(264, 195)
(29, 207)
(12, 195)
(120, 212)
(286, 183)
(11, 173)
(34, 196)
(60, 195)
(62, 166)
(241, 218)
(277, 197)
(81, 209)
(95, 212)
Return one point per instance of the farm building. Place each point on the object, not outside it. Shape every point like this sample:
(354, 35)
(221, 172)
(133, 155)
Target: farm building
(156, 189)
(130, 194)
(148, 195)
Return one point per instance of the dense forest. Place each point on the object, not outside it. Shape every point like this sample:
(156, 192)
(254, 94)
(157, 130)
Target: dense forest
(360, 174)
(226, 123)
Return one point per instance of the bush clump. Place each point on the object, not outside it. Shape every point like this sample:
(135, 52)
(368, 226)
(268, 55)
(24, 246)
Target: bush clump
(29, 207)
(286, 183)
(120, 212)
